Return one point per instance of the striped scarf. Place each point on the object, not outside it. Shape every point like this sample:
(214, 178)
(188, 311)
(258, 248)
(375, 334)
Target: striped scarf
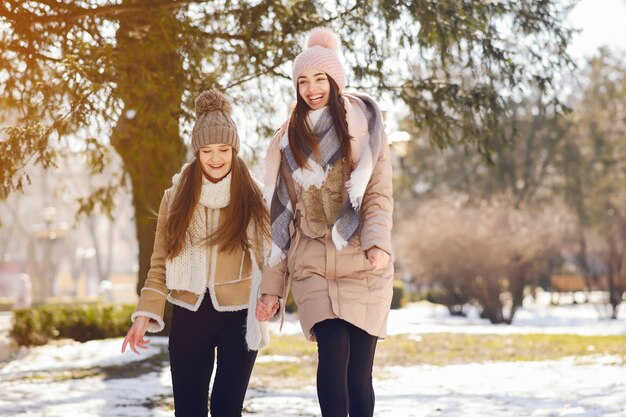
(366, 127)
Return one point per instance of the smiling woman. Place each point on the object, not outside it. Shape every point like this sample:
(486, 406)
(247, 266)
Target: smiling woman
(328, 180)
(213, 207)
(216, 160)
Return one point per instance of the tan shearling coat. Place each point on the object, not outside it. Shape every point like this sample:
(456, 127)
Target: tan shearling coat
(231, 278)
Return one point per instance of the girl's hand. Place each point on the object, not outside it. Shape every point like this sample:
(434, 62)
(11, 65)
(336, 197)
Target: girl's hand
(377, 257)
(134, 337)
(266, 307)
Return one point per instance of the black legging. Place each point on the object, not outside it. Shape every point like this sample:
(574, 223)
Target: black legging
(193, 340)
(344, 370)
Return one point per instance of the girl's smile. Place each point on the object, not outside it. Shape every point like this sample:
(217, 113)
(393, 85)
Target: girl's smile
(216, 160)
(316, 99)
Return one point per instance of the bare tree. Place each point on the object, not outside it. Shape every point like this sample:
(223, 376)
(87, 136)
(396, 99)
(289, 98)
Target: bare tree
(487, 253)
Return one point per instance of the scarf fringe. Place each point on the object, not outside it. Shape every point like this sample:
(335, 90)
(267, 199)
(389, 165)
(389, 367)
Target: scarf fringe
(314, 176)
(338, 240)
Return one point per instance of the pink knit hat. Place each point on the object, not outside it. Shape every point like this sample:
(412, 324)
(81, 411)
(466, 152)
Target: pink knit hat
(322, 54)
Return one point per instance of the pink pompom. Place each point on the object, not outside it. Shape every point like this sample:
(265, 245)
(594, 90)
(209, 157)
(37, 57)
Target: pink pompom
(325, 38)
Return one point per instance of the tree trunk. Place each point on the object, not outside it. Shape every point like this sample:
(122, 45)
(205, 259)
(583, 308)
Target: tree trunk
(151, 82)
(488, 297)
(615, 290)
(518, 279)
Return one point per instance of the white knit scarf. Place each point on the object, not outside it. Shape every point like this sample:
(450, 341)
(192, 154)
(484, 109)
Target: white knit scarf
(188, 270)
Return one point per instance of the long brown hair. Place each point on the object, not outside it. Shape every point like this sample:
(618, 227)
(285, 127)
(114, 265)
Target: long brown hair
(246, 205)
(302, 139)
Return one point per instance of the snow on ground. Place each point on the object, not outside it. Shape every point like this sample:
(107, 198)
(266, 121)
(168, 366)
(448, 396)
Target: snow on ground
(92, 396)
(537, 316)
(30, 385)
(68, 354)
(537, 389)
(581, 319)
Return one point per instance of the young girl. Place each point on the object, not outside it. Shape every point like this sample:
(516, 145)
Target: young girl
(328, 180)
(206, 261)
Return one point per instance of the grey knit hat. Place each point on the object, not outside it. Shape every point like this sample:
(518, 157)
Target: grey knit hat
(213, 122)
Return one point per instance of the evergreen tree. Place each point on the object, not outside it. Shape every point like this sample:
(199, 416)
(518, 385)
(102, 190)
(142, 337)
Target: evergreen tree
(133, 68)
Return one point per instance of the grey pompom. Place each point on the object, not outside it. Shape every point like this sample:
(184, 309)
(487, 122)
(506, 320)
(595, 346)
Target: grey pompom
(212, 100)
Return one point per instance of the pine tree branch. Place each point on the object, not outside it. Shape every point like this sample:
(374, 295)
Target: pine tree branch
(114, 9)
(25, 51)
(250, 77)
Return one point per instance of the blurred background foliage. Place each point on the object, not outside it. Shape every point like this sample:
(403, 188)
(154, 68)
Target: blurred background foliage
(512, 151)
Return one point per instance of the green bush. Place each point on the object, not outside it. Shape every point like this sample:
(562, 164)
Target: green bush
(72, 301)
(6, 304)
(435, 296)
(398, 300)
(38, 325)
(414, 296)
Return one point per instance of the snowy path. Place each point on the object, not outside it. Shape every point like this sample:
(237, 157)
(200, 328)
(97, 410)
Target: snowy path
(92, 379)
(567, 387)
(538, 389)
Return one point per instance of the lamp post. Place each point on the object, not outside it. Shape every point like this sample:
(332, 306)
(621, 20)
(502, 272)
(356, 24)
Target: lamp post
(399, 137)
(49, 233)
(399, 143)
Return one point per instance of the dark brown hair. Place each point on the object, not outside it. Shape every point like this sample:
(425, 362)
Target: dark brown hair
(246, 205)
(302, 139)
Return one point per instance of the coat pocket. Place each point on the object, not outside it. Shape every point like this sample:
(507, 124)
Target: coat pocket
(351, 261)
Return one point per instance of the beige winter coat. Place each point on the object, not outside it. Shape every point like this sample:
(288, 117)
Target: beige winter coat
(327, 283)
(232, 279)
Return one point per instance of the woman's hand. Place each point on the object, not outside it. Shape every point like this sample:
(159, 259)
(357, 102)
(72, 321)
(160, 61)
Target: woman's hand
(134, 337)
(377, 257)
(266, 307)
